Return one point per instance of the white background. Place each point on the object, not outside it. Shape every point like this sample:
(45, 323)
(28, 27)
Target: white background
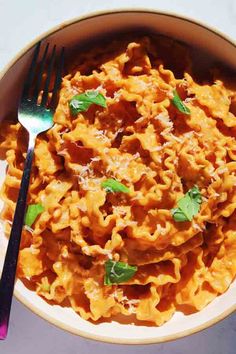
(20, 22)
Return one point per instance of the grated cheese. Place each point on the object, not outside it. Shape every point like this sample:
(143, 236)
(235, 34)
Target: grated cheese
(120, 210)
(120, 130)
(96, 158)
(189, 99)
(125, 301)
(117, 96)
(196, 226)
(28, 228)
(161, 230)
(101, 134)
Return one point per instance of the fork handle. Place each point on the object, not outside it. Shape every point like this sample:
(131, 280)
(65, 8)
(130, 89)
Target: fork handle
(10, 263)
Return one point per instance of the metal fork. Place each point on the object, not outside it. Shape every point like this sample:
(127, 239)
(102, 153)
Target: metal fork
(36, 116)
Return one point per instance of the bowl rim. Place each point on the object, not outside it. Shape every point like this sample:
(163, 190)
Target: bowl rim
(17, 293)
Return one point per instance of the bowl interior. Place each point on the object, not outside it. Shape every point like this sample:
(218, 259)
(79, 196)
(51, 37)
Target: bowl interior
(210, 47)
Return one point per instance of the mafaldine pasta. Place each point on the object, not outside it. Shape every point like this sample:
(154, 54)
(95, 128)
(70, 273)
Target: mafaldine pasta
(131, 205)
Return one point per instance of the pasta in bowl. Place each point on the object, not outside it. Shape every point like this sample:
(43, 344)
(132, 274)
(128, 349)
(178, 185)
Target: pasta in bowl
(131, 204)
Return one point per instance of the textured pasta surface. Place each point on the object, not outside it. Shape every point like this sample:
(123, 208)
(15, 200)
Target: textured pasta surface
(143, 141)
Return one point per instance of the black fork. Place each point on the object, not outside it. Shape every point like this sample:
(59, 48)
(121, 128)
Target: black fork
(36, 116)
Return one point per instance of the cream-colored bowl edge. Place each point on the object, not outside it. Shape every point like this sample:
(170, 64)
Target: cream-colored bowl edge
(18, 293)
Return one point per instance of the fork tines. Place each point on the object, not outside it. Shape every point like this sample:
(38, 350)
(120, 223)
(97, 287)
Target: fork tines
(35, 77)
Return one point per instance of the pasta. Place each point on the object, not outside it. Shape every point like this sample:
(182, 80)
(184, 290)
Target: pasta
(113, 181)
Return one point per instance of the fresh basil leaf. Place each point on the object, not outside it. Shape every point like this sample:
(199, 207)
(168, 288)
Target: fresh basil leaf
(195, 194)
(178, 103)
(32, 213)
(178, 215)
(118, 272)
(188, 206)
(82, 102)
(113, 186)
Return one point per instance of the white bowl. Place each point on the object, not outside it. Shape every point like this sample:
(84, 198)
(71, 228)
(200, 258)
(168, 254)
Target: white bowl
(69, 34)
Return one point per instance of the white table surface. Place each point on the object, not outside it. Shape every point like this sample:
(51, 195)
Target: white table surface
(20, 22)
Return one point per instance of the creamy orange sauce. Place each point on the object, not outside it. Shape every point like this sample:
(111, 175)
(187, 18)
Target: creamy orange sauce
(159, 153)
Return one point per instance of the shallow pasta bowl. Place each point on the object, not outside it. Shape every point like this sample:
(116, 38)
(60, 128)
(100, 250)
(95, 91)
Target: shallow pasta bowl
(83, 30)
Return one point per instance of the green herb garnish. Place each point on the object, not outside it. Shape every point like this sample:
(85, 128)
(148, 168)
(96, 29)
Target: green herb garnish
(178, 103)
(45, 287)
(118, 272)
(188, 206)
(82, 102)
(32, 213)
(113, 186)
